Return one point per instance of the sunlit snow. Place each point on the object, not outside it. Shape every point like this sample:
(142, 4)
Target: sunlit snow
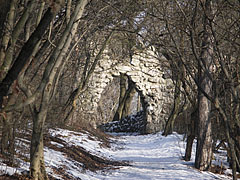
(151, 157)
(154, 157)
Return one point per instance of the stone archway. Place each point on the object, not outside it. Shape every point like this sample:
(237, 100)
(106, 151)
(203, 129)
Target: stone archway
(146, 72)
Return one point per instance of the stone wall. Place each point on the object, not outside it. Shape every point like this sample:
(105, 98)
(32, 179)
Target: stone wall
(146, 71)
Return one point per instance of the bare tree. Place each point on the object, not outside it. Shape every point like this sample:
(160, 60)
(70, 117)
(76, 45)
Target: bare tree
(204, 136)
(208, 57)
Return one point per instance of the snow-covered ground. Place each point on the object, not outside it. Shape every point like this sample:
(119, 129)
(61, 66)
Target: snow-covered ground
(154, 157)
(151, 157)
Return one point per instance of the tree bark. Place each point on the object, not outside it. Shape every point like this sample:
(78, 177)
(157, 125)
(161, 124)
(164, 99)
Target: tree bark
(129, 97)
(6, 31)
(123, 89)
(231, 144)
(25, 54)
(138, 103)
(50, 77)
(204, 136)
(37, 166)
(68, 10)
(8, 59)
(7, 140)
(125, 98)
(176, 109)
(4, 5)
(8, 130)
(191, 136)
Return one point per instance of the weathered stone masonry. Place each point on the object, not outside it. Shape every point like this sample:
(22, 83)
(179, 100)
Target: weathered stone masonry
(146, 71)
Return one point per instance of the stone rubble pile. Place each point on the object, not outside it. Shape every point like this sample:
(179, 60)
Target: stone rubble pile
(131, 124)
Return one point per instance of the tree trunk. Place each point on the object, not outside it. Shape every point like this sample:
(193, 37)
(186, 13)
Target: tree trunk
(191, 136)
(123, 89)
(6, 31)
(138, 103)
(176, 108)
(238, 152)
(204, 136)
(68, 11)
(26, 52)
(188, 151)
(4, 5)
(7, 140)
(8, 60)
(129, 97)
(232, 153)
(8, 130)
(37, 166)
(125, 98)
(204, 140)
(51, 77)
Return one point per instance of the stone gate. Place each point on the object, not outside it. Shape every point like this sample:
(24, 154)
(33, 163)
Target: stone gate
(150, 78)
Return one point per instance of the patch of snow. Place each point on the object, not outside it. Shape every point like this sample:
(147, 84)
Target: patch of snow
(81, 139)
(154, 157)
(151, 157)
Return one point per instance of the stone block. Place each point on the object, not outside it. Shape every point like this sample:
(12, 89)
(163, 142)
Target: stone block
(153, 79)
(124, 69)
(135, 62)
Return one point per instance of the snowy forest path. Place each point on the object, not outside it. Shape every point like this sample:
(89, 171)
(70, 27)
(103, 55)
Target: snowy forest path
(154, 157)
